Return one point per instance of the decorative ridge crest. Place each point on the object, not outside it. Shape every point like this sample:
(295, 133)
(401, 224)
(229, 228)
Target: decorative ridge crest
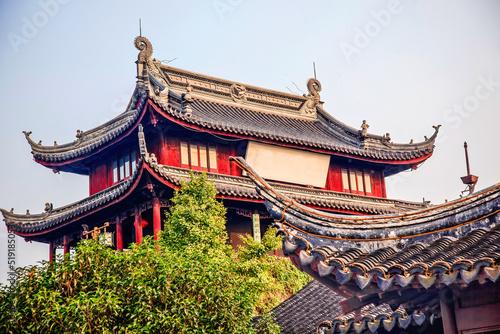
(144, 45)
(313, 98)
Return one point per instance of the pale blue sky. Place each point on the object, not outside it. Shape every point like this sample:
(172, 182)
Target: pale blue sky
(403, 66)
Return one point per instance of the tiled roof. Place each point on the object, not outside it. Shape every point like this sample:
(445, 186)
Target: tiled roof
(226, 186)
(450, 243)
(371, 322)
(34, 223)
(317, 309)
(93, 139)
(306, 309)
(243, 187)
(446, 260)
(324, 133)
(314, 303)
(233, 108)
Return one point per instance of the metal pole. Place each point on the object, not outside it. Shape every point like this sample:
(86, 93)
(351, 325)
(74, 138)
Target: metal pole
(467, 158)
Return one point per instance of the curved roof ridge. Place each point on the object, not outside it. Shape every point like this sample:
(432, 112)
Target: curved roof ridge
(91, 139)
(31, 223)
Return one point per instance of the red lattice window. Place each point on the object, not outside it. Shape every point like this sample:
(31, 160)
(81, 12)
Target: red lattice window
(357, 181)
(198, 156)
(123, 166)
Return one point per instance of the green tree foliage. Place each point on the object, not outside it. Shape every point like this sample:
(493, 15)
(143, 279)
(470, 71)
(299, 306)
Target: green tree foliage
(197, 220)
(190, 281)
(275, 278)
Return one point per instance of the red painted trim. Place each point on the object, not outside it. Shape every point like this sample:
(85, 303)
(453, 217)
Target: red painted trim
(160, 179)
(223, 133)
(115, 140)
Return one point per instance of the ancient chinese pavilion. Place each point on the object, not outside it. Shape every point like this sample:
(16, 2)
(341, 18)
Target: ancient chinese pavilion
(177, 121)
(438, 264)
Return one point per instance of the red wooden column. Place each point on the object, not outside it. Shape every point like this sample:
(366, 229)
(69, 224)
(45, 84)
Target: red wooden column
(156, 217)
(52, 254)
(66, 244)
(138, 226)
(119, 233)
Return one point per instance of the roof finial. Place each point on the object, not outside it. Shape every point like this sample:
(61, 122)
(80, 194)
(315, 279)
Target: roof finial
(314, 68)
(140, 28)
(364, 128)
(144, 45)
(313, 98)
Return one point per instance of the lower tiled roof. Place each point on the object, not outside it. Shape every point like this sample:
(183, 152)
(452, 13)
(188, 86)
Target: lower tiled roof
(455, 242)
(446, 260)
(314, 303)
(39, 222)
(317, 309)
(228, 185)
(371, 322)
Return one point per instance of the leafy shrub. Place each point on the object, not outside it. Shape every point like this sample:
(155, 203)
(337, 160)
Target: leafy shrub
(190, 281)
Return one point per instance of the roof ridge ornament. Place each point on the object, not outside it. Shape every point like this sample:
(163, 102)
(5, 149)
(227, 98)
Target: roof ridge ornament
(142, 142)
(144, 45)
(30, 141)
(187, 99)
(364, 129)
(238, 93)
(313, 98)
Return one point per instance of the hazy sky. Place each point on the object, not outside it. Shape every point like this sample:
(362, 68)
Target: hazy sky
(401, 65)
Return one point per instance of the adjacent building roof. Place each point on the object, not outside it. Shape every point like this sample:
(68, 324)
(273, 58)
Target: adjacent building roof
(236, 110)
(456, 242)
(314, 303)
(317, 309)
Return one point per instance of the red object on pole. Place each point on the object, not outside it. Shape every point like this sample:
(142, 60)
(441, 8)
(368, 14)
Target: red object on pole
(156, 217)
(66, 244)
(138, 226)
(119, 234)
